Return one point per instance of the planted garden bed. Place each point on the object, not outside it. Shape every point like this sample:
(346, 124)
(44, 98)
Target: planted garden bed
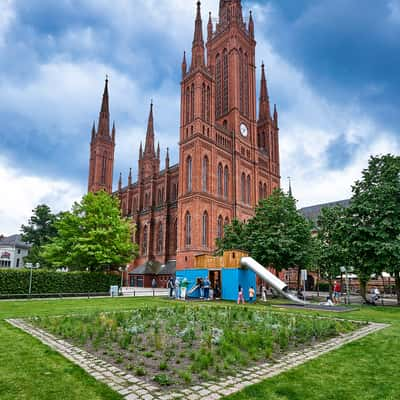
(190, 344)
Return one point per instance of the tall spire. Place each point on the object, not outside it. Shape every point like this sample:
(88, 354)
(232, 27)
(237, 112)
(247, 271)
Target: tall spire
(251, 25)
(158, 151)
(209, 28)
(275, 116)
(167, 159)
(184, 65)
(141, 151)
(264, 111)
(93, 130)
(198, 59)
(290, 187)
(130, 177)
(149, 147)
(104, 117)
(113, 132)
(120, 182)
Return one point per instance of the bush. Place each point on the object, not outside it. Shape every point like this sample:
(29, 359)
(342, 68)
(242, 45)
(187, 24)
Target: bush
(14, 281)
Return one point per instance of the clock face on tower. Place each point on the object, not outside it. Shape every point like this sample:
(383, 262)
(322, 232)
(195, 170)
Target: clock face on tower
(243, 130)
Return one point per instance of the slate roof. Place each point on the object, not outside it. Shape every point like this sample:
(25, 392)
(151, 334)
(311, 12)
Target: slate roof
(155, 268)
(14, 241)
(313, 212)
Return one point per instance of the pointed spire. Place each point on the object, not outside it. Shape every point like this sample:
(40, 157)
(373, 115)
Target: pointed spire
(264, 109)
(275, 116)
(184, 65)
(113, 132)
(167, 159)
(141, 151)
(120, 182)
(130, 177)
(198, 59)
(290, 187)
(209, 28)
(251, 25)
(158, 151)
(149, 147)
(104, 117)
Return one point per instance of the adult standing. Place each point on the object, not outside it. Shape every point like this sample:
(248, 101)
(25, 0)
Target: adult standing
(336, 292)
(207, 285)
(154, 283)
(240, 295)
(184, 286)
(202, 287)
(251, 294)
(264, 293)
(177, 287)
(171, 286)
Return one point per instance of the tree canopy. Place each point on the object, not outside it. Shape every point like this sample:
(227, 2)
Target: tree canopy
(92, 236)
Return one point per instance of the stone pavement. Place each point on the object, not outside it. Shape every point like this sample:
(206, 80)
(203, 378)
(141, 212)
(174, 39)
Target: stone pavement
(133, 388)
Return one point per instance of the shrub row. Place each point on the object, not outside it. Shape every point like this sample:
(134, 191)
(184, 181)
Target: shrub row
(14, 281)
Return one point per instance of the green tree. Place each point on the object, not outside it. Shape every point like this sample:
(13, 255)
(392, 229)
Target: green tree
(39, 231)
(92, 236)
(373, 226)
(278, 235)
(331, 249)
(235, 237)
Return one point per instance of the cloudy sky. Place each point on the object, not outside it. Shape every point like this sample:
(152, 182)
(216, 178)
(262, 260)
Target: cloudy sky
(333, 70)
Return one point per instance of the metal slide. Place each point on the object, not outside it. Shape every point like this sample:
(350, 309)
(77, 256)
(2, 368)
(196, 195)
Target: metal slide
(272, 280)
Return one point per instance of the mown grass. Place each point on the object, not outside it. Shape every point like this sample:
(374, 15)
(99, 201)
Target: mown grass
(367, 369)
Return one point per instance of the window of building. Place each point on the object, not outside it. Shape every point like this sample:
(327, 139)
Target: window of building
(220, 227)
(205, 229)
(243, 187)
(225, 102)
(160, 238)
(188, 229)
(265, 191)
(218, 85)
(248, 189)
(104, 168)
(160, 197)
(17, 265)
(189, 173)
(220, 174)
(145, 241)
(205, 174)
(203, 101)
(226, 182)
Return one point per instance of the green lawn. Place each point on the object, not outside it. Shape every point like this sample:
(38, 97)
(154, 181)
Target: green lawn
(367, 369)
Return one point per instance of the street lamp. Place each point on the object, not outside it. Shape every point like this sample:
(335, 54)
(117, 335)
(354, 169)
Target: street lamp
(120, 269)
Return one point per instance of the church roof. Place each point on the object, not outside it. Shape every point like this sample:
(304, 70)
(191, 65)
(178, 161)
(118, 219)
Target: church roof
(313, 212)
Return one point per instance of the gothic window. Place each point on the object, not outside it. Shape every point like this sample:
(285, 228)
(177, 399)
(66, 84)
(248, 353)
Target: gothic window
(204, 240)
(218, 80)
(246, 84)
(145, 240)
(104, 168)
(225, 102)
(192, 103)
(175, 236)
(260, 191)
(187, 105)
(208, 104)
(243, 187)
(135, 207)
(203, 101)
(160, 197)
(219, 178)
(226, 222)
(189, 174)
(220, 227)
(241, 83)
(248, 189)
(188, 229)
(146, 200)
(205, 174)
(160, 238)
(226, 182)
(265, 190)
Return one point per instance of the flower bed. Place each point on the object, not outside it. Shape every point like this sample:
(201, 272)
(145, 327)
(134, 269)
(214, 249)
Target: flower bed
(189, 344)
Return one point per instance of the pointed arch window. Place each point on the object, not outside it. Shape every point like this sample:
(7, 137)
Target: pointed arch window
(189, 174)
(226, 222)
(204, 240)
(243, 187)
(145, 240)
(160, 197)
(226, 182)
(260, 191)
(187, 105)
(220, 227)
(218, 85)
(188, 229)
(205, 174)
(225, 102)
(220, 173)
(203, 101)
(160, 238)
(265, 190)
(248, 189)
(192, 103)
(208, 104)
(175, 236)
(104, 168)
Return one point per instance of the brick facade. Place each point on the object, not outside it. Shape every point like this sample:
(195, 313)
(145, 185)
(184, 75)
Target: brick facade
(228, 157)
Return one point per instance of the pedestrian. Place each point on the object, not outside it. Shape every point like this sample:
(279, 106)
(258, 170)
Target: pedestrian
(201, 286)
(154, 283)
(184, 285)
(264, 293)
(177, 285)
(171, 286)
(336, 292)
(240, 295)
(207, 285)
(217, 290)
(251, 294)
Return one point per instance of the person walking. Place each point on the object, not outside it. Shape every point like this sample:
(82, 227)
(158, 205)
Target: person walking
(207, 285)
(177, 286)
(264, 293)
(240, 295)
(336, 292)
(154, 283)
(171, 286)
(201, 286)
(251, 294)
(184, 285)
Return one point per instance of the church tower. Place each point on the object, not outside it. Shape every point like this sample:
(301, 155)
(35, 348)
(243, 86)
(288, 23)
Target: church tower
(225, 168)
(102, 148)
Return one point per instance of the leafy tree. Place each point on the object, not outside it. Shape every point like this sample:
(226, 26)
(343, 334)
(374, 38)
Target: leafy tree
(93, 235)
(39, 231)
(235, 237)
(373, 228)
(331, 250)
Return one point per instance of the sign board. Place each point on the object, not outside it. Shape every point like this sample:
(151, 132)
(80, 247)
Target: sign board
(6, 254)
(303, 274)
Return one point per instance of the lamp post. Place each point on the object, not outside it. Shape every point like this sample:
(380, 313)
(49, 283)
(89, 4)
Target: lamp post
(120, 269)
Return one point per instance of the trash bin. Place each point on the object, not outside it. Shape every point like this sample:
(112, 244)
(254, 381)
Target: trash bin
(114, 291)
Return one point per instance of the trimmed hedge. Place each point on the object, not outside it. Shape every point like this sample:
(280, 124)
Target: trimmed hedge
(13, 281)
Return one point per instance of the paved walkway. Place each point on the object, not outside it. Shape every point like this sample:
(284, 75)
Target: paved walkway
(133, 388)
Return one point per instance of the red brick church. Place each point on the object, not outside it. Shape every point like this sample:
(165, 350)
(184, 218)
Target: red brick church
(228, 157)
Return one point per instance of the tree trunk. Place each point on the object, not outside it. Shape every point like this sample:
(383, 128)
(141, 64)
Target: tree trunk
(398, 288)
(363, 289)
